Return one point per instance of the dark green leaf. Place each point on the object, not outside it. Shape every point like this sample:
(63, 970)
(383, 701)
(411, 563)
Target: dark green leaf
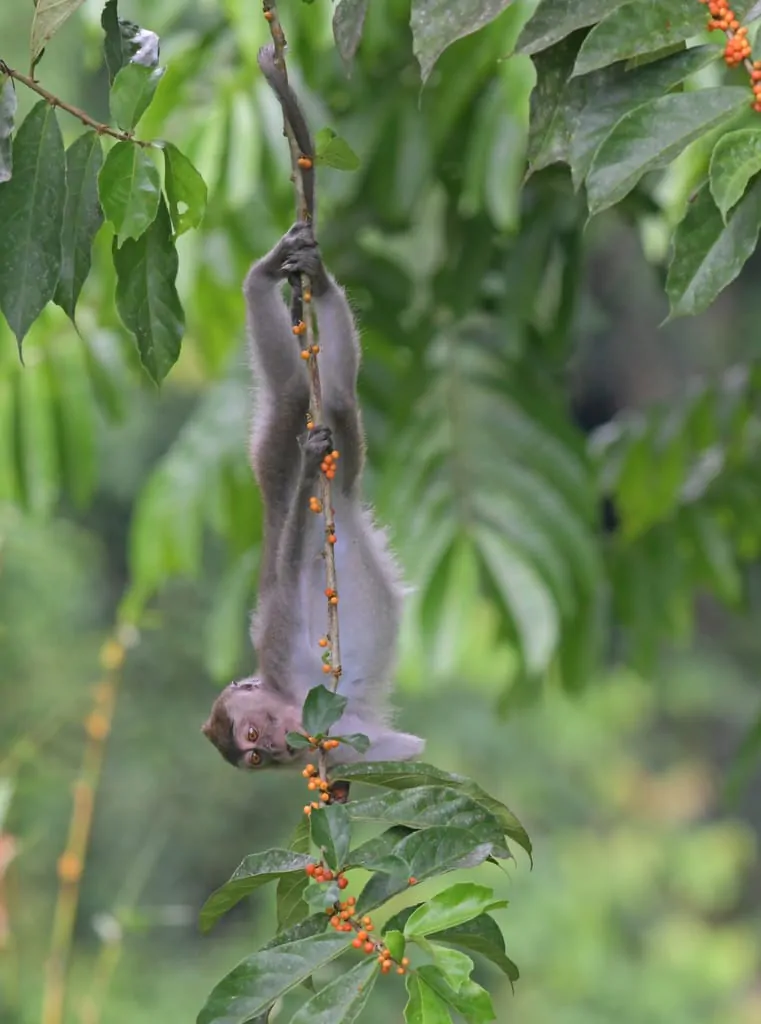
(48, 17)
(185, 190)
(331, 833)
(423, 806)
(82, 218)
(333, 151)
(652, 135)
(38, 449)
(471, 1001)
(124, 40)
(745, 760)
(7, 121)
(146, 296)
(556, 105)
(260, 979)
(130, 188)
(356, 740)
(348, 21)
(131, 93)
(256, 870)
(450, 908)
(436, 24)
(707, 253)
(322, 708)
(297, 740)
(289, 898)
(640, 26)
(735, 160)
(556, 19)
(31, 215)
(341, 1000)
(424, 1006)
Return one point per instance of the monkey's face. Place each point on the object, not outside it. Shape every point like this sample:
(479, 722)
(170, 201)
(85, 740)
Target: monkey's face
(248, 726)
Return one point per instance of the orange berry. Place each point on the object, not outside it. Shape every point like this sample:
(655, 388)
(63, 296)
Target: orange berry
(304, 354)
(369, 947)
(97, 725)
(310, 869)
(315, 349)
(385, 967)
(69, 867)
(400, 970)
(404, 962)
(315, 805)
(322, 642)
(366, 921)
(351, 901)
(299, 328)
(307, 810)
(362, 935)
(268, 15)
(357, 944)
(326, 670)
(328, 875)
(411, 880)
(342, 882)
(369, 927)
(307, 296)
(325, 797)
(304, 163)
(329, 592)
(335, 454)
(334, 600)
(331, 538)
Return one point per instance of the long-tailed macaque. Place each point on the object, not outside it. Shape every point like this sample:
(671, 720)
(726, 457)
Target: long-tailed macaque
(249, 719)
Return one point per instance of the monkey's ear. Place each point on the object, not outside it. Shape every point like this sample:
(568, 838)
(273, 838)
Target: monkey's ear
(207, 728)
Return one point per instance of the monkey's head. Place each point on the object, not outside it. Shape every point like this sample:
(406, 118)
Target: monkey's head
(248, 725)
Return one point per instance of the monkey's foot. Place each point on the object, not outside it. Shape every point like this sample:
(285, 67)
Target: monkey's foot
(299, 253)
(318, 444)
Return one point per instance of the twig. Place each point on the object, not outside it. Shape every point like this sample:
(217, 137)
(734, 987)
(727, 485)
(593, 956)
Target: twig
(54, 101)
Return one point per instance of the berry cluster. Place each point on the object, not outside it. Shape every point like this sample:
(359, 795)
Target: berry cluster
(320, 873)
(331, 595)
(343, 919)
(737, 50)
(328, 464)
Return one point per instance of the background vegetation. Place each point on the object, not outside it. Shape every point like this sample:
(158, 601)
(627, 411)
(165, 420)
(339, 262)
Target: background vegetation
(498, 329)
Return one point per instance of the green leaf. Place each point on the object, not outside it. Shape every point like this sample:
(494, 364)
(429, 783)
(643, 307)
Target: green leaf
(555, 105)
(424, 1006)
(322, 708)
(38, 448)
(131, 93)
(553, 20)
(735, 160)
(254, 871)
(75, 417)
(31, 214)
(395, 943)
(652, 135)
(7, 121)
(348, 21)
(130, 188)
(48, 17)
(454, 965)
(82, 218)
(405, 775)
(146, 295)
(230, 602)
(424, 806)
(10, 471)
(640, 26)
(185, 189)
(452, 907)
(260, 979)
(289, 897)
(333, 151)
(331, 833)
(356, 740)
(470, 1000)
(125, 40)
(481, 935)
(615, 91)
(436, 24)
(297, 740)
(708, 254)
(342, 1000)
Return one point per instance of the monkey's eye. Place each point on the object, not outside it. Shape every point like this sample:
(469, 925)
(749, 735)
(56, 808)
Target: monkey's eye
(254, 759)
(253, 734)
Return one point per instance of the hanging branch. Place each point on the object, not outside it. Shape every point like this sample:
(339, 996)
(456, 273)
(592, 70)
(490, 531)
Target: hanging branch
(302, 164)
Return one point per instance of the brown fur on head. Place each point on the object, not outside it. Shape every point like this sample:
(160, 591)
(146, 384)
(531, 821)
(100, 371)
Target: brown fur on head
(248, 725)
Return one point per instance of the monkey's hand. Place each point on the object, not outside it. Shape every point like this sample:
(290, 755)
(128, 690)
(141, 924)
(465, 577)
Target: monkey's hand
(298, 253)
(318, 444)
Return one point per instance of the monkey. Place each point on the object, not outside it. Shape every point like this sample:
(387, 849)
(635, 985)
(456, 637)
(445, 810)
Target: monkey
(250, 718)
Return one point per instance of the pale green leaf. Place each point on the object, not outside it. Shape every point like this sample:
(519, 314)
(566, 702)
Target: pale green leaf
(185, 189)
(450, 908)
(735, 160)
(436, 24)
(424, 1006)
(48, 17)
(129, 185)
(131, 93)
(254, 871)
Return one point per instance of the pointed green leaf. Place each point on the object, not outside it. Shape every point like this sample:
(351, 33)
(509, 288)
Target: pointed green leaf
(481, 935)
(333, 151)
(129, 185)
(348, 21)
(454, 965)
(289, 898)
(395, 943)
(553, 20)
(640, 26)
(331, 834)
(185, 189)
(555, 105)
(7, 122)
(652, 135)
(424, 806)
(254, 871)
(48, 17)
(470, 1000)
(707, 253)
(322, 708)
(450, 908)
(356, 740)
(82, 218)
(260, 979)
(297, 740)
(436, 24)
(342, 1000)
(424, 1006)
(146, 295)
(735, 160)
(131, 93)
(31, 215)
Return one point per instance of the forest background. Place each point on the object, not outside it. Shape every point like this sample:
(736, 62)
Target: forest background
(643, 905)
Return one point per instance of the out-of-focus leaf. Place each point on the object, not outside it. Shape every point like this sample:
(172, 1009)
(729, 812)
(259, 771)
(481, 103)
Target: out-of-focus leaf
(131, 93)
(342, 1000)
(745, 760)
(10, 490)
(75, 417)
(40, 469)
(254, 871)
(322, 708)
(129, 185)
(333, 151)
(348, 21)
(735, 160)
(640, 26)
(424, 1006)
(331, 834)
(260, 979)
(707, 253)
(48, 17)
(7, 121)
(185, 189)
(652, 135)
(225, 626)
(451, 908)
(291, 907)
(436, 24)
(554, 20)
(82, 218)
(146, 295)
(31, 214)
(556, 104)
